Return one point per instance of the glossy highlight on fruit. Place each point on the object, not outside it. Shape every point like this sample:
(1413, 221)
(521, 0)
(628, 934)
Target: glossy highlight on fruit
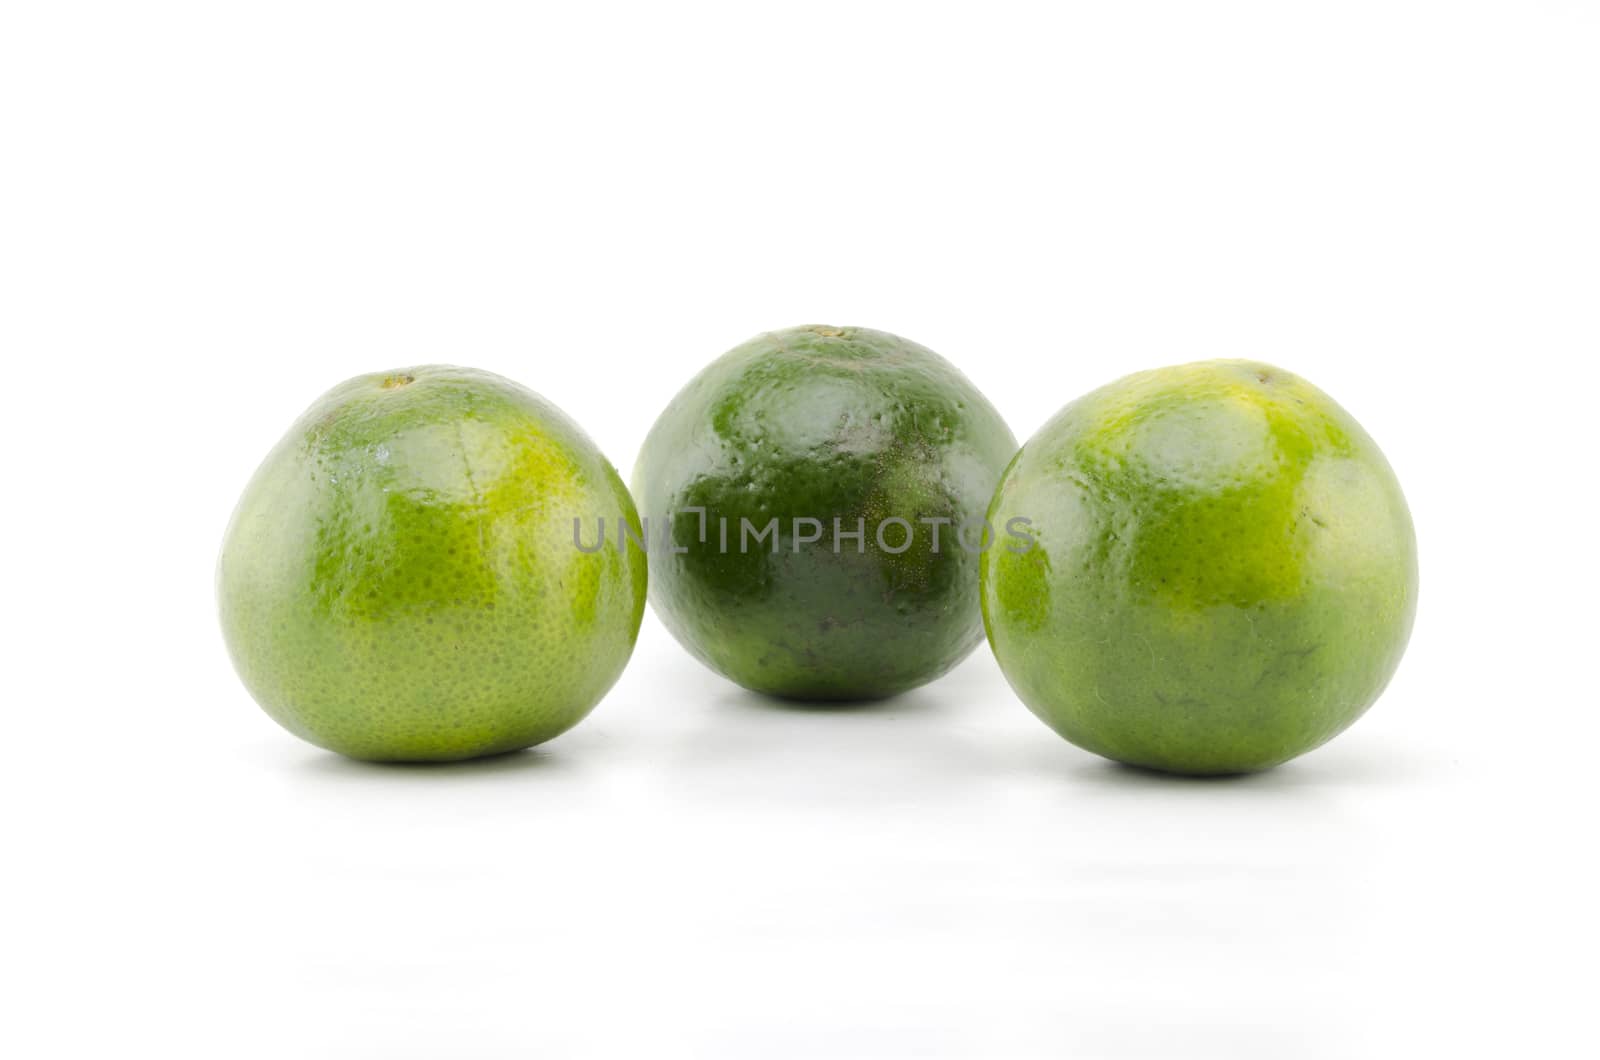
(1224, 574)
(852, 428)
(399, 580)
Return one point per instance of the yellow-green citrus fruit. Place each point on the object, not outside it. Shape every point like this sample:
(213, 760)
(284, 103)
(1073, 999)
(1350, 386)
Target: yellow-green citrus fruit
(400, 580)
(1223, 572)
(868, 456)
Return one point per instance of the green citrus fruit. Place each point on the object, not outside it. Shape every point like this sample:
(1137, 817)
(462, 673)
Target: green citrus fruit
(815, 435)
(400, 582)
(1222, 575)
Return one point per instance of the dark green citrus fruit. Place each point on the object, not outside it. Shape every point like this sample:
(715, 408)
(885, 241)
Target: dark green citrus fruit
(860, 432)
(400, 581)
(1223, 575)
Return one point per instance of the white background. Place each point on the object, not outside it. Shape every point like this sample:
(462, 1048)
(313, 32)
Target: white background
(213, 212)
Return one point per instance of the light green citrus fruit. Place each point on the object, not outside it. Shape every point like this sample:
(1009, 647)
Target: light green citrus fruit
(400, 581)
(1224, 572)
(852, 428)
